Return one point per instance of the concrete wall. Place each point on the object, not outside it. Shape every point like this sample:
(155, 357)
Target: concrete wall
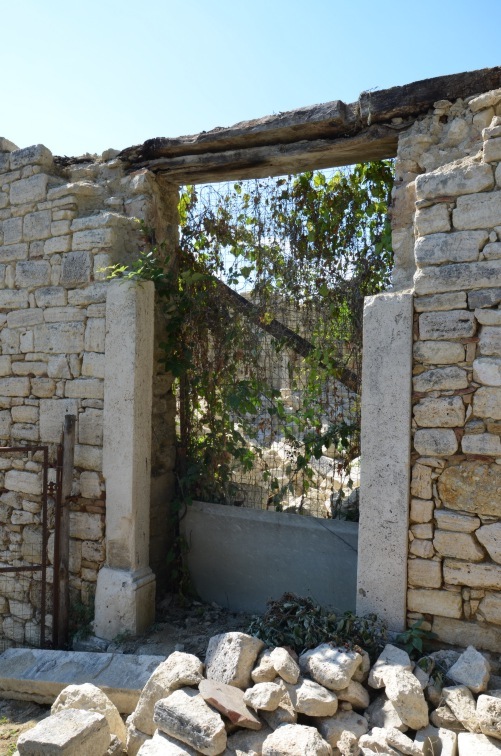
(239, 558)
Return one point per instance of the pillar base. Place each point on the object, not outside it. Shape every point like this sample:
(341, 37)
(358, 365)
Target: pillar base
(125, 602)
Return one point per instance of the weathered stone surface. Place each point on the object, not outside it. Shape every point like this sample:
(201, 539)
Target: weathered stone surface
(490, 537)
(435, 442)
(332, 728)
(488, 317)
(355, 694)
(163, 745)
(489, 715)
(28, 190)
(474, 275)
(443, 603)
(487, 402)
(440, 412)
(402, 742)
(465, 176)
(484, 298)
(265, 696)
(470, 744)
(447, 520)
(246, 742)
(487, 370)
(308, 697)
(285, 665)
(471, 669)
(459, 489)
(421, 511)
(185, 715)
(390, 657)
(490, 608)
(71, 732)
(264, 671)
(135, 739)
(229, 700)
(441, 379)
(474, 575)
(432, 220)
(490, 340)
(405, 693)
(438, 352)
(40, 676)
(421, 482)
(434, 302)
(91, 698)
(382, 713)
(462, 704)
(487, 444)
(458, 545)
(331, 667)
(457, 247)
(453, 324)
(177, 671)
(424, 573)
(296, 740)
(231, 657)
(376, 742)
(477, 211)
(461, 633)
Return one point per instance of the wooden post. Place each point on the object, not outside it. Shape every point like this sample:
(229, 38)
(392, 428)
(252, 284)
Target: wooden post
(64, 531)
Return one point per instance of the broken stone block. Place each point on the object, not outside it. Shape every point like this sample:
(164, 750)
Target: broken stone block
(462, 704)
(229, 701)
(247, 742)
(382, 713)
(329, 666)
(489, 715)
(470, 744)
(265, 696)
(163, 745)
(264, 671)
(471, 669)
(71, 732)
(135, 739)
(332, 728)
(231, 657)
(308, 697)
(177, 671)
(443, 717)
(284, 713)
(376, 741)
(285, 666)
(185, 715)
(405, 693)
(355, 694)
(91, 698)
(296, 740)
(389, 657)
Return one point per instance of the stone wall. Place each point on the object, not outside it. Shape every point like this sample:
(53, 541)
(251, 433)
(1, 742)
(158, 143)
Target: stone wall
(454, 566)
(59, 227)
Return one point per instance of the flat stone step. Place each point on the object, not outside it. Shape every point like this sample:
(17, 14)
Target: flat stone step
(38, 675)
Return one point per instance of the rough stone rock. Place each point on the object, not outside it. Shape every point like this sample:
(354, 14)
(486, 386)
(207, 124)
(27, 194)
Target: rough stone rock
(382, 713)
(460, 701)
(471, 669)
(377, 742)
(355, 694)
(487, 402)
(329, 666)
(447, 520)
(185, 715)
(163, 745)
(135, 739)
(459, 489)
(487, 370)
(230, 658)
(332, 728)
(435, 442)
(391, 656)
(229, 701)
(284, 713)
(266, 696)
(441, 741)
(442, 717)
(72, 732)
(264, 671)
(308, 697)
(443, 412)
(441, 379)
(484, 575)
(484, 298)
(285, 666)
(177, 671)
(457, 247)
(403, 743)
(462, 177)
(438, 352)
(91, 698)
(459, 545)
(247, 743)
(296, 740)
(489, 715)
(490, 538)
(477, 745)
(490, 608)
(405, 693)
(347, 744)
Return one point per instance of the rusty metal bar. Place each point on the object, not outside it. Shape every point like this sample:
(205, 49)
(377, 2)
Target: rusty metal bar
(57, 539)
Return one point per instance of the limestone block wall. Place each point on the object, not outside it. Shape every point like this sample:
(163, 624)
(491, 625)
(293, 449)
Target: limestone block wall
(454, 565)
(59, 226)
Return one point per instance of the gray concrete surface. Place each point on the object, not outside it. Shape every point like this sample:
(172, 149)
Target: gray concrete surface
(241, 557)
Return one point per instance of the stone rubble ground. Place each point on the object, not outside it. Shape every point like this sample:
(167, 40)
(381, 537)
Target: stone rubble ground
(255, 701)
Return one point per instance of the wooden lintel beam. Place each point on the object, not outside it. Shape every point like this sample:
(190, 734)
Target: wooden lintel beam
(374, 143)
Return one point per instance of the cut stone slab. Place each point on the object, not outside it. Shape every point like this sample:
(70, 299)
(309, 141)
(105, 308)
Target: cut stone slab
(71, 732)
(471, 669)
(296, 740)
(40, 676)
(331, 667)
(185, 715)
(229, 701)
(231, 657)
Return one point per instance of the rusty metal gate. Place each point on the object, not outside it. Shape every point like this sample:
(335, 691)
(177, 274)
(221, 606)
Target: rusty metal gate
(34, 541)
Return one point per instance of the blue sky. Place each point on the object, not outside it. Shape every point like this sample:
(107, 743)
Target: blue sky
(85, 76)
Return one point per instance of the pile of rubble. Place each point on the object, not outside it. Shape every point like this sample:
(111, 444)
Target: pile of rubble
(255, 701)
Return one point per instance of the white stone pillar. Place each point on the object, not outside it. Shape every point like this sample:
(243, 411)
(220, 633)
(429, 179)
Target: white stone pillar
(385, 457)
(125, 594)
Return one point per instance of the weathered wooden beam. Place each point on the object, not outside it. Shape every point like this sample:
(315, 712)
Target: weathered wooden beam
(374, 143)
